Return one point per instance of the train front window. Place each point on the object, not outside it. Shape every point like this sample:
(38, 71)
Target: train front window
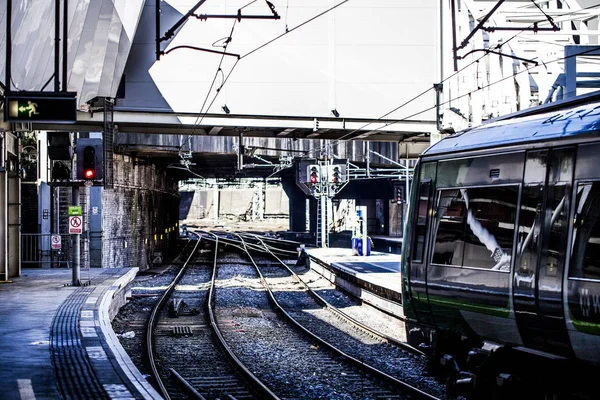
(475, 227)
(585, 262)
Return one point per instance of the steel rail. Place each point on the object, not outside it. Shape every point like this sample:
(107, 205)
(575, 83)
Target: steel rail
(328, 267)
(254, 246)
(210, 304)
(347, 317)
(379, 374)
(152, 321)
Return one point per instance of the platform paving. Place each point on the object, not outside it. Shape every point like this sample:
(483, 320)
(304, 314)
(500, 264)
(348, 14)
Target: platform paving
(382, 269)
(57, 342)
(375, 279)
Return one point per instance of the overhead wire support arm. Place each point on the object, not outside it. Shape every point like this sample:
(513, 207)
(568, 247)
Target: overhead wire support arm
(480, 25)
(171, 32)
(525, 60)
(534, 28)
(192, 12)
(238, 16)
(202, 49)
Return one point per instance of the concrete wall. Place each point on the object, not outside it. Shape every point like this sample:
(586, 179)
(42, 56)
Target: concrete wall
(277, 204)
(139, 215)
(234, 203)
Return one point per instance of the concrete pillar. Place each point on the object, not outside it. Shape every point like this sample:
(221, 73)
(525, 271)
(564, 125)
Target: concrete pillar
(313, 209)
(216, 203)
(14, 222)
(95, 226)
(3, 210)
(297, 201)
(44, 215)
(10, 207)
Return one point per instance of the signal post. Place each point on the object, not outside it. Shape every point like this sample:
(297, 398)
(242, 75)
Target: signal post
(323, 179)
(87, 170)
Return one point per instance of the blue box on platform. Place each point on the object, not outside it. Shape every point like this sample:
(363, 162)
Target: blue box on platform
(357, 244)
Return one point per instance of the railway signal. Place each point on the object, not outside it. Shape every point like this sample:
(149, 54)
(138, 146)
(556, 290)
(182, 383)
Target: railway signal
(334, 177)
(399, 194)
(322, 177)
(314, 175)
(337, 173)
(89, 159)
(89, 162)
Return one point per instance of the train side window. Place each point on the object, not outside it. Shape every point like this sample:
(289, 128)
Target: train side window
(449, 236)
(585, 262)
(530, 221)
(422, 220)
(475, 227)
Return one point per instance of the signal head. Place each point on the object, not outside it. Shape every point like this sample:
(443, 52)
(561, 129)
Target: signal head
(313, 174)
(89, 162)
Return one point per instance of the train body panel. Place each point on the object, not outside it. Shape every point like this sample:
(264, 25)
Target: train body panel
(502, 242)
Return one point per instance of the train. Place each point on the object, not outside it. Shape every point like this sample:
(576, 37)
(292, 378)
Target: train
(501, 255)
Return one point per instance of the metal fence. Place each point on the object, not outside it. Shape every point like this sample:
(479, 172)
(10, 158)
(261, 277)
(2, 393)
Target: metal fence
(41, 251)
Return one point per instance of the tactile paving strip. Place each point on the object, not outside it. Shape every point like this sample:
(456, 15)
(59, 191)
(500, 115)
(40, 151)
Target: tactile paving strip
(74, 373)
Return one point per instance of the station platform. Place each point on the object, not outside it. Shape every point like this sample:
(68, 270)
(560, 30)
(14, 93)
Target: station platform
(57, 339)
(376, 278)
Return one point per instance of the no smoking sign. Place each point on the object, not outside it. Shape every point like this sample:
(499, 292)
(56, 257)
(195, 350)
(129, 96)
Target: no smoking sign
(75, 225)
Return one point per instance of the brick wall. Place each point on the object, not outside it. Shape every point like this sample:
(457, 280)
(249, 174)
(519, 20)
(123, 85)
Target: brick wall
(139, 215)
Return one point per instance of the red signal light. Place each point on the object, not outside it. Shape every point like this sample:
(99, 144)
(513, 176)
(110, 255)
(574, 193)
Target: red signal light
(313, 178)
(89, 174)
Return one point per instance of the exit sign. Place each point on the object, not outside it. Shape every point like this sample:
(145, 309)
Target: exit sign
(57, 107)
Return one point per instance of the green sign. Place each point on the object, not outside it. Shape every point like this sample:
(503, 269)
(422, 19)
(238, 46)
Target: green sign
(74, 211)
(57, 107)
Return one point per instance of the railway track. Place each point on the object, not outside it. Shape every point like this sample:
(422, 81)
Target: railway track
(185, 349)
(351, 344)
(248, 328)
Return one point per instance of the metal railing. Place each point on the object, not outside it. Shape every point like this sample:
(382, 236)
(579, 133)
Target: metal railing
(37, 250)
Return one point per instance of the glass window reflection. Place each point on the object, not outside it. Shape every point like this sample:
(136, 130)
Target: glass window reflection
(475, 227)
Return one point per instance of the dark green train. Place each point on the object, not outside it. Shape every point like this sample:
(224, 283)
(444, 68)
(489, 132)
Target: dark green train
(501, 257)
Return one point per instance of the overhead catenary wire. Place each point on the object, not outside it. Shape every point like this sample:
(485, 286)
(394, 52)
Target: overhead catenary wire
(527, 69)
(499, 45)
(294, 28)
(202, 114)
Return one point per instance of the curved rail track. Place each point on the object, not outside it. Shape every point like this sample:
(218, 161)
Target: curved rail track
(377, 354)
(213, 334)
(195, 361)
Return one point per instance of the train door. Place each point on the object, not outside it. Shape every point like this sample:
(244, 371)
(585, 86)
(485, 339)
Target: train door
(415, 293)
(541, 248)
(583, 285)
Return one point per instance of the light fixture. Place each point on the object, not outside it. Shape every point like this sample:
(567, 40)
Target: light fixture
(226, 109)
(335, 112)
